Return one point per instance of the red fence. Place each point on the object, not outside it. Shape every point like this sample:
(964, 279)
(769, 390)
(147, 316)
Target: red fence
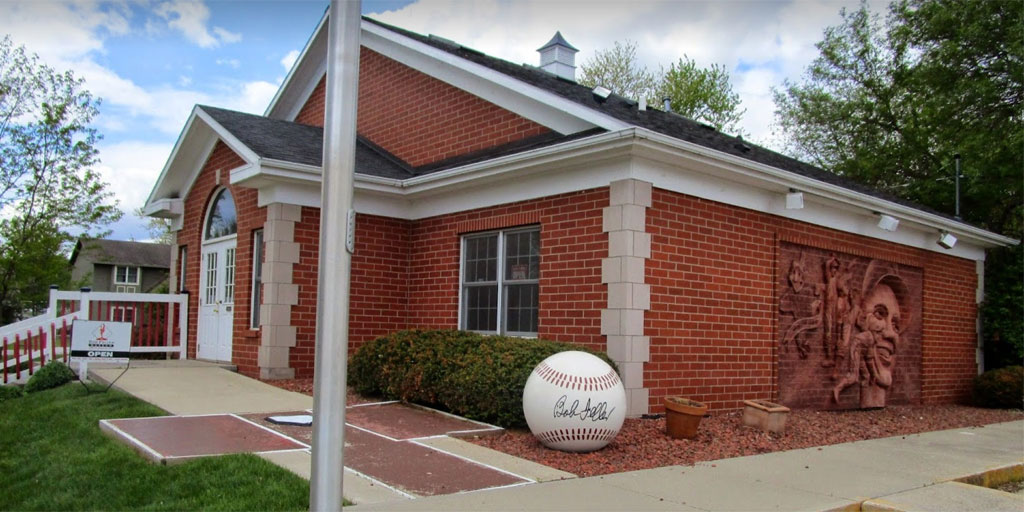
(159, 323)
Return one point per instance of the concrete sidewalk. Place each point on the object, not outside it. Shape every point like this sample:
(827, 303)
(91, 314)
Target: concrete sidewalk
(914, 472)
(899, 473)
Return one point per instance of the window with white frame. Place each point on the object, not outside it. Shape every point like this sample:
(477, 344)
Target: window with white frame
(500, 281)
(126, 279)
(183, 264)
(257, 279)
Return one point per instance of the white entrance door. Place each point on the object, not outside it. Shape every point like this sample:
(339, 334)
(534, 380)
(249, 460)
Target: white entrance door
(216, 300)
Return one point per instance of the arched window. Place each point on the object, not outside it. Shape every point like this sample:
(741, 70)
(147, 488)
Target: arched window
(222, 219)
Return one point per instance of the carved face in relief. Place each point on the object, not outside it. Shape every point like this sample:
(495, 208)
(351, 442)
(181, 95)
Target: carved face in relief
(796, 275)
(881, 312)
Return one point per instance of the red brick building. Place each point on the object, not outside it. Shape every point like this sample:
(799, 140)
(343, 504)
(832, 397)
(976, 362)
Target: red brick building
(507, 198)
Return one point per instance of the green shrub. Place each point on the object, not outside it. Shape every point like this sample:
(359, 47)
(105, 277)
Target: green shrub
(477, 376)
(9, 392)
(1002, 388)
(53, 375)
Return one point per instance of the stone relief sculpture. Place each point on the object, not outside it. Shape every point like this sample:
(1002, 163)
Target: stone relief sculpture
(856, 322)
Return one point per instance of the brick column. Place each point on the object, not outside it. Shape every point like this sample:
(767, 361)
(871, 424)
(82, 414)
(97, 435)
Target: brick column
(629, 247)
(277, 334)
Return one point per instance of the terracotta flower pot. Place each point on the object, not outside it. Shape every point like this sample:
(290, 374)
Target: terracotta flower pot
(767, 416)
(682, 417)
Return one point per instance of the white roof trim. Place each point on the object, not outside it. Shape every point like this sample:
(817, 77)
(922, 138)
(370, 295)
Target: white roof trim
(534, 103)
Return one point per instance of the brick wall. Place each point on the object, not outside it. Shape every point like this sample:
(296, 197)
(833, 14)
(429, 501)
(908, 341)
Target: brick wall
(250, 217)
(712, 316)
(378, 289)
(572, 245)
(421, 119)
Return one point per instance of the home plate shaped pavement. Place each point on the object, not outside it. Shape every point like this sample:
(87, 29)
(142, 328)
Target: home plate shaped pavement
(383, 441)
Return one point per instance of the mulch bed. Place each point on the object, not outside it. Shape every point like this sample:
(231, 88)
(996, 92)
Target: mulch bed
(643, 444)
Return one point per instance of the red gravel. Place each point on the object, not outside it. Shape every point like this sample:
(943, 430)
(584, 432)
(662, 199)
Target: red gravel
(643, 444)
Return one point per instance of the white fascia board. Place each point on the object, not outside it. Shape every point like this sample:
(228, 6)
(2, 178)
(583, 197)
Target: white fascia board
(531, 102)
(184, 146)
(299, 77)
(232, 142)
(783, 180)
(166, 208)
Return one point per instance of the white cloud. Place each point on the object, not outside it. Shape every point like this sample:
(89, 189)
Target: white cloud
(131, 168)
(761, 43)
(190, 17)
(225, 36)
(289, 60)
(34, 24)
(232, 63)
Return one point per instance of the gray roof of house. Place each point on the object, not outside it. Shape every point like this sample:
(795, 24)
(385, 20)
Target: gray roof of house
(119, 252)
(666, 123)
(294, 142)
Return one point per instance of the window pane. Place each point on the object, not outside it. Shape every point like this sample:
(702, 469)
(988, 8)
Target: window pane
(229, 276)
(222, 220)
(522, 255)
(481, 263)
(482, 308)
(211, 278)
(521, 308)
(133, 275)
(257, 280)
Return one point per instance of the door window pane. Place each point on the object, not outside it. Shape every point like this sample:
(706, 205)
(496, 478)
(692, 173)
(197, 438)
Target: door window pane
(211, 278)
(229, 276)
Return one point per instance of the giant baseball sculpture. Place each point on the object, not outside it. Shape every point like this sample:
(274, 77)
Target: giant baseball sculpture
(573, 401)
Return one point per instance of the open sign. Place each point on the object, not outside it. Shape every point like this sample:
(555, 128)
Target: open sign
(104, 341)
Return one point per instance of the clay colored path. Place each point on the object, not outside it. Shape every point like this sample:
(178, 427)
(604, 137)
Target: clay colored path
(393, 451)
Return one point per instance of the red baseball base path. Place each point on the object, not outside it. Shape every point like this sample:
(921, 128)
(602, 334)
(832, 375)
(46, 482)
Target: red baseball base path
(382, 442)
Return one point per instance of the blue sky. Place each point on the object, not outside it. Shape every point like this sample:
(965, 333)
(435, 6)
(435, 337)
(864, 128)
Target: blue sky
(152, 60)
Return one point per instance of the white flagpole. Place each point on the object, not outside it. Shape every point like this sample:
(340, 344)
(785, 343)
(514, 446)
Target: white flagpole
(336, 235)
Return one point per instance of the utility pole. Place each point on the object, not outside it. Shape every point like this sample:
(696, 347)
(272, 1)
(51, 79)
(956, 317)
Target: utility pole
(337, 229)
(956, 180)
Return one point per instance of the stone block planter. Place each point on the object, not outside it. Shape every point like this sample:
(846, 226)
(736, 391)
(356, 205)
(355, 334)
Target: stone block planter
(682, 417)
(767, 416)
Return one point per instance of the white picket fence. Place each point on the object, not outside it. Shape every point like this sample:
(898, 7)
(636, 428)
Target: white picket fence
(159, 324)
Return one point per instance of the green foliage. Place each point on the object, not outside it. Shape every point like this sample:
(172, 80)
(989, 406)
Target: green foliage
(10, 392)
(54, 437)
(618, 69)
(1003, 309)
(477, 376)
(52, 375)
(703, 94)
(47, 181)
(1002, 388)
(890, 102)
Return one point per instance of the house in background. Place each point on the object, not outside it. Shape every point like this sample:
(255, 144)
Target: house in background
(507, 198)
(119, 266)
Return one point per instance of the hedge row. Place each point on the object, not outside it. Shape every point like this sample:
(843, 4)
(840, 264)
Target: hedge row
(473, 375)
(1002, 388)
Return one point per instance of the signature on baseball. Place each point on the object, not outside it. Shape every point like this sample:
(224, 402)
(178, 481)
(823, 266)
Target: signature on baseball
(599, 412)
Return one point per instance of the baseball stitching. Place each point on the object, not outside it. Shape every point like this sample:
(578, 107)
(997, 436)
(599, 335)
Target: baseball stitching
(575, 382)
(576, 434)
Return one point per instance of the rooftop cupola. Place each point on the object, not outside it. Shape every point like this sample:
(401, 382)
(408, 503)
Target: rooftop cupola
(559, 57)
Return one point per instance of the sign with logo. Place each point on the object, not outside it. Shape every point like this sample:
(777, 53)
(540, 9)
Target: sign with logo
(109, 342)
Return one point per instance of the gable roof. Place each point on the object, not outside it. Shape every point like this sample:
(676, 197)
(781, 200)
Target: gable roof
(119, 252)
(666, 123)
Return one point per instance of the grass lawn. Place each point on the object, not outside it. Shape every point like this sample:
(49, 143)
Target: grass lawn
(54, 457)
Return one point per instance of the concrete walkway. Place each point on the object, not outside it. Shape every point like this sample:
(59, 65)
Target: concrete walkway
(908, 473)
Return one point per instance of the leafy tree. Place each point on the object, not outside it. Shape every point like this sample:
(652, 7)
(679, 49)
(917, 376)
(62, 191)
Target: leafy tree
(618, 69)
(159, 229)
(702, 94)
(890, 101)
(697, 93)
(48, 187)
